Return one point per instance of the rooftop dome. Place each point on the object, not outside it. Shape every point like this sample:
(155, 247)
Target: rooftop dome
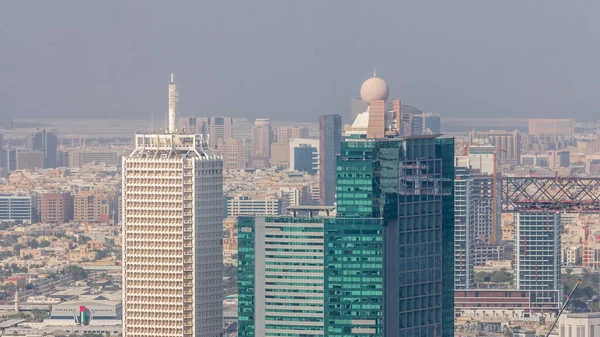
(374, 89)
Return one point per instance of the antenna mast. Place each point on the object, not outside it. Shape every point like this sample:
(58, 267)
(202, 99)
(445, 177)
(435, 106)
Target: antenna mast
(173, 99)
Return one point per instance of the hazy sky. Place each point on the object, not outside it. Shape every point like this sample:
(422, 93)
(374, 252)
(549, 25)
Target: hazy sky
(296, 60)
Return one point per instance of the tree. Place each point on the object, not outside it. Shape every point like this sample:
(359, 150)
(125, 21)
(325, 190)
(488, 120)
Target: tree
(482, 277)
(78, 273)
(82, 239)
(17, 248)
(33, 244)
(500, 276)
(44, 243)
(100, 254)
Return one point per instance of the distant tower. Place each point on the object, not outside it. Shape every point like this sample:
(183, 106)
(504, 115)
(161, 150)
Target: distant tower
(173, 99)
(17, 300)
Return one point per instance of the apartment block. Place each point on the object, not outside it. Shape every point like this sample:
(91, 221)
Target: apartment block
(56, 207)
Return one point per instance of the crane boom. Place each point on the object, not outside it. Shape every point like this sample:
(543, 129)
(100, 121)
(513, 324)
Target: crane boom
(563, 308)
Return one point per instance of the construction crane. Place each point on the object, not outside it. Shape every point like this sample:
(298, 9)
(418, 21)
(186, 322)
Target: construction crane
(563, 308)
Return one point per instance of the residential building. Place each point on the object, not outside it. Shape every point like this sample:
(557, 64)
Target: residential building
(464, 231)
(172, 235)
(537, 255)
(507, 144)
(93, 206)
(304, 155)
(524, 333)
(45, 141)
(585, 324)
(482, 158)
(16, 208)
(30, 160)
(330, 141)
(56, 207)
(552, 127)
(234, 153)
(79, 158)
(245, 205)
(10, 159)
(432, 124)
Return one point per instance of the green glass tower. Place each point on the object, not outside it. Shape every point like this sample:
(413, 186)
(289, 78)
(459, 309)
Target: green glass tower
(397, 264)
(384, 266)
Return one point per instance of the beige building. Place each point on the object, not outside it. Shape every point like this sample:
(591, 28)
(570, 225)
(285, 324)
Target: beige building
(30, 160)
(93, 206)
(507, 144)
(262, 137)
(554, 127)
(217, 128)
(280, 150)
(234, 154)
(172, 235)
(80, 158)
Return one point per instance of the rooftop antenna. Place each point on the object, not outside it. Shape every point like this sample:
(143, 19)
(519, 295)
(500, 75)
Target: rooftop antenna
(173, 98)
(374, 73)
(152, 121)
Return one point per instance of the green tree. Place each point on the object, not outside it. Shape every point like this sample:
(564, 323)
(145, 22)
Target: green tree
(44, 243)
(78, 273)
(482, 277)
(82, 239)
(33, 244)
(17, 248)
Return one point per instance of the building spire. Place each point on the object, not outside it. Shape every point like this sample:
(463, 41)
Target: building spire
(374, 73)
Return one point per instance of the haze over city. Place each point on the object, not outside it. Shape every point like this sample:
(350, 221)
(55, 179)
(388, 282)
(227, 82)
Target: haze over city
(298, 60)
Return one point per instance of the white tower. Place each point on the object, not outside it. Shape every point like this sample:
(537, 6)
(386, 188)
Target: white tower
(172, 236)
(173, 99)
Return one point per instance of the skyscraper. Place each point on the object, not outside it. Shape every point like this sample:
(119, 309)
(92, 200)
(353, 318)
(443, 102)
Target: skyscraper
(403, 190)
(280, 150)
(330, 140)
(262, 137)
(45, 141)
(172, 235)
(507, 144)
(304, 155)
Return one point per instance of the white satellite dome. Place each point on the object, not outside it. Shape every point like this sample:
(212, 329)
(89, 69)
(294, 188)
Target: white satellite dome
(374, 89)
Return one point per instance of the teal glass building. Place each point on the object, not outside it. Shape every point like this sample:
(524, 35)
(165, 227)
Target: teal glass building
(384, 266)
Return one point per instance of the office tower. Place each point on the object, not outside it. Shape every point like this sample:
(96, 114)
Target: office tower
(330, 141)
(280, 150)
(304, 155)
(16, 208)
(30, 160)
(537, 255)
(80, 158)
(216, 128)
(45, 141)
(262, 137)
(552, 127)
(93, 206)
(403, 190)
(234, 154)
(172, 235)
(507, 144)
(464, 232)
(280, 276)
(56, 207)
(432, 123)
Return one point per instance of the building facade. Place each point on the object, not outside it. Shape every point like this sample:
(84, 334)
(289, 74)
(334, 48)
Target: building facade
(552, 127)
(45, 141)
(244, 205)
(304, 155)
(464, 231)
(93, 206)
(234, 154)
(80, 158)
(215, 128)
(56, 207)
(172, 235)
(507, 144)
(16, 208)
(406, 185)
(262, 137)
(330, 141)
(537, 256)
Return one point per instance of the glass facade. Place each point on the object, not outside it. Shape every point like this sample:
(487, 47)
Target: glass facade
(280, 275)
(408, 185)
